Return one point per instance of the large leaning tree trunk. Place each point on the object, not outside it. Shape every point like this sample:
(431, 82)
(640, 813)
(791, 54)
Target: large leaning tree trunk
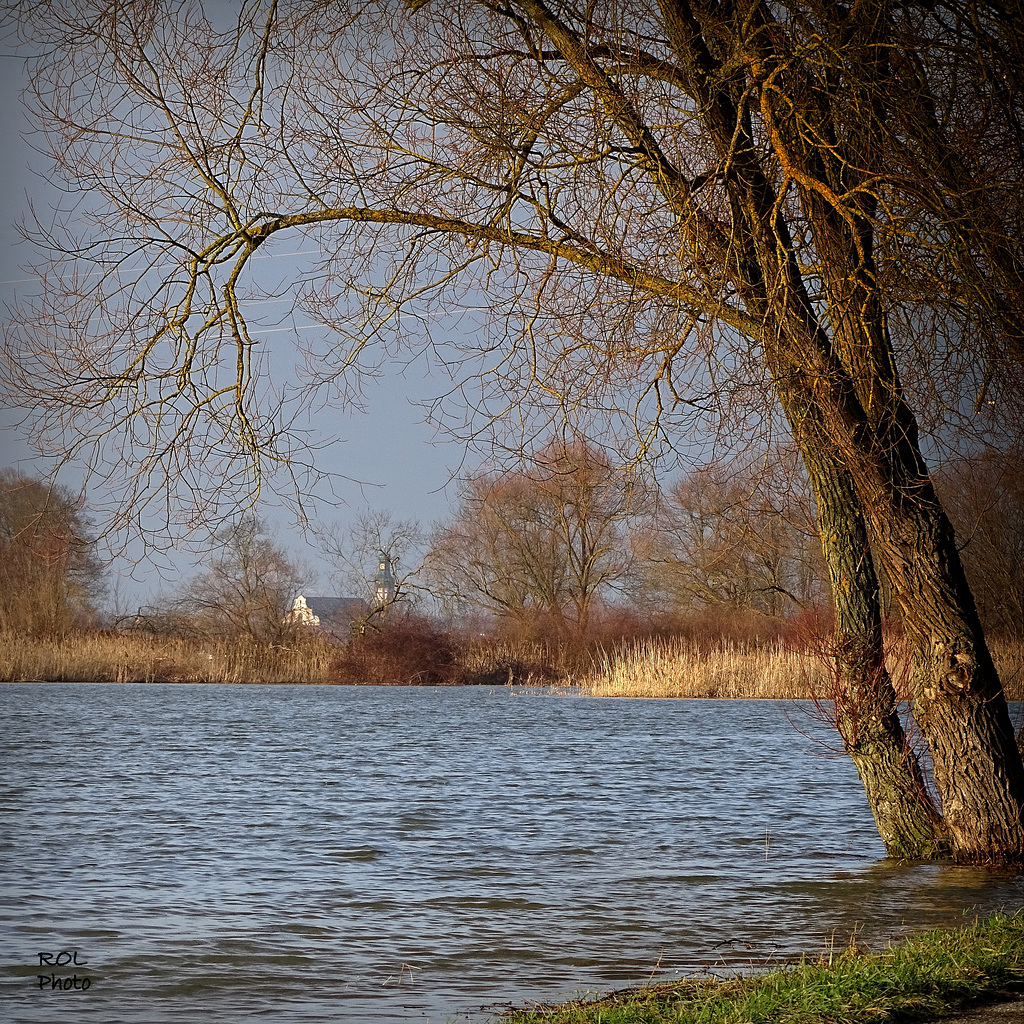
(958, 700)
(866, 708)
(866, 713)
(959, 703)
(759, 261)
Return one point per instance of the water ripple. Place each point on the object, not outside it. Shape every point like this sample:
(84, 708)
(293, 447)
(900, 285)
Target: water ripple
(393, 854)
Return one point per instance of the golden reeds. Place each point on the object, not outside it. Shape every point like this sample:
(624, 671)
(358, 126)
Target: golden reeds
(647, 668)
(1009, 659)
(134, 657)
(680, 668)
(520, 662)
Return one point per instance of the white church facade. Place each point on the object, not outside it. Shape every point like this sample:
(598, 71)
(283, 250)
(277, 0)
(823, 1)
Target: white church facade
(338, 613)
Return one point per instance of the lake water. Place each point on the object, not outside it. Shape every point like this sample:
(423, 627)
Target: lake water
(335, 854)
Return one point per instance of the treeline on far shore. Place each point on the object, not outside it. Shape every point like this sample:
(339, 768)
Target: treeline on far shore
(739, 610)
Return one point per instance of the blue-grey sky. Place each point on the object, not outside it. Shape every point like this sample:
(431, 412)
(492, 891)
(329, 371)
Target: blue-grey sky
(405, 465)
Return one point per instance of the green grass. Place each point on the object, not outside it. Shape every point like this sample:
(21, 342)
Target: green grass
(926, 976)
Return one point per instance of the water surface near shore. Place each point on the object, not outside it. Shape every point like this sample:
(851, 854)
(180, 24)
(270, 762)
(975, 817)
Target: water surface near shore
(317, 854)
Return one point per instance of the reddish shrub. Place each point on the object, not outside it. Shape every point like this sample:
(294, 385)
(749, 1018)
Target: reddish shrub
(807, 630)
(408, 652)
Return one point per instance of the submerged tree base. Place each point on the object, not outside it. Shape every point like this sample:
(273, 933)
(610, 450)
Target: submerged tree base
(927, 976)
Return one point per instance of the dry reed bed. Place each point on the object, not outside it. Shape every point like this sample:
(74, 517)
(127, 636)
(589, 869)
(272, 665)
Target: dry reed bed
(651, 668)
(518, 662)
(679, 668)
(127, 658)
(137, 657)
(1009, 659)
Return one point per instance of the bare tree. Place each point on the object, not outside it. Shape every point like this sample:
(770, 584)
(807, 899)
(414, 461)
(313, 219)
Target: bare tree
(248, 587)
(985, 497)
(678, 211)
(49, 571)
(540, 542)
(736, 536)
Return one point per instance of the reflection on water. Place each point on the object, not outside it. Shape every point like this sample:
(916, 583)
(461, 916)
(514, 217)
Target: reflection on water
(393, 854)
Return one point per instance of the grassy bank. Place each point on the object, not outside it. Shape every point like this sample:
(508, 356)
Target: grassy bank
(924, 977)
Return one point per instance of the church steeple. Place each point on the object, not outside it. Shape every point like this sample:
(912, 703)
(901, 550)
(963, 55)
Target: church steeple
(384, 582)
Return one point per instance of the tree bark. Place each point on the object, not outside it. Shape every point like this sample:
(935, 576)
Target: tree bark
(866, 709)
(959, 702)
(843, 367)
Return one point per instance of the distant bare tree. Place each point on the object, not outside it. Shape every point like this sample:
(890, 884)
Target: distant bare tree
(49, 571)
(541, 541)
(985, 497)
(357, 552)
(248, 587)
(736, 536)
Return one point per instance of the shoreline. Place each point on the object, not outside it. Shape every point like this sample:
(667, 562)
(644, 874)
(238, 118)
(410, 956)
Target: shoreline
(976, 972)
(664, 669)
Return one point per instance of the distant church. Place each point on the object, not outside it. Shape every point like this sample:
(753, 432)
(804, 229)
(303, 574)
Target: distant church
(337, 614)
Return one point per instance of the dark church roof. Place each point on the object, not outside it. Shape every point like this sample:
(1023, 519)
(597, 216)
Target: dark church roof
(337, 609)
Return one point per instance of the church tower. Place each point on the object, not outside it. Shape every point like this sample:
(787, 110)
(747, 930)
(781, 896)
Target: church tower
(384, 582)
